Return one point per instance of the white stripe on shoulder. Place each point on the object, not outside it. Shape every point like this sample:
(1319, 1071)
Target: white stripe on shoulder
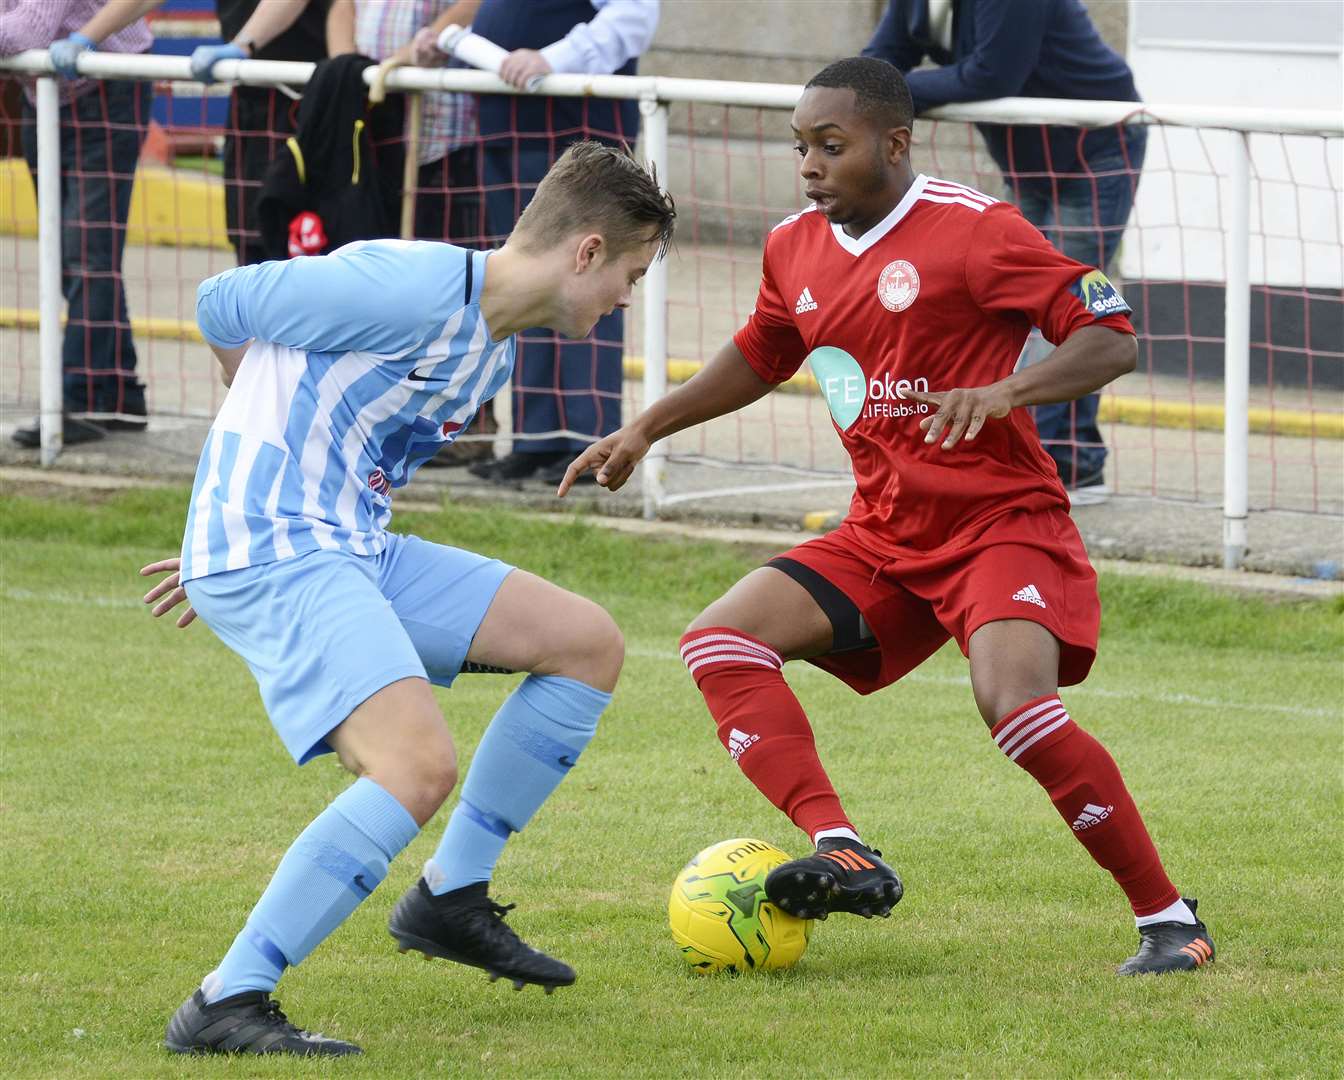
(948, 187)
(793, 217)
(959, 200)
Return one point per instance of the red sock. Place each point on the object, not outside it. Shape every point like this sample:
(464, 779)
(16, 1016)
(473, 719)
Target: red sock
(1086, 788)
(762, 725)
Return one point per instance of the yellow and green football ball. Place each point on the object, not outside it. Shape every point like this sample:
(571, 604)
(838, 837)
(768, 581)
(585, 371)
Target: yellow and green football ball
(720, 917)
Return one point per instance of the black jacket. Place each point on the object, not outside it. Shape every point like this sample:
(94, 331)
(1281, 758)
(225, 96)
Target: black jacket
(330, 166)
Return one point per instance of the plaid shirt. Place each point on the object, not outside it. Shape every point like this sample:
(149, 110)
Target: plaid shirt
(35, 24)
(448, 121)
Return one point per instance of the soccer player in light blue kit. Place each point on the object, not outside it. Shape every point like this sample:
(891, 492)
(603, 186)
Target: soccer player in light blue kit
(346, 373)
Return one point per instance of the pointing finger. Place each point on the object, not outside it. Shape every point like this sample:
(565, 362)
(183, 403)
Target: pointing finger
(910, 394)
(567, 481)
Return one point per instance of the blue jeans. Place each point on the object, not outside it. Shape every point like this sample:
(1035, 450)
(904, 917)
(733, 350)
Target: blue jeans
(101, 134)
(1084, 215)
(557, 385)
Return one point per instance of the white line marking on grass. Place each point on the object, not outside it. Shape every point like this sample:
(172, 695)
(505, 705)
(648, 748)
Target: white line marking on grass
(669, 654)
(645, 652)
(78, 600)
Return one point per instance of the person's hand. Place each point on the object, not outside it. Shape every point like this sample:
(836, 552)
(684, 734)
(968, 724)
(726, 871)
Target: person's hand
(613, 459)
(960, 412)
(523, 65)
(170, 589)
(424, 49)
(204, 59)
(64, 53)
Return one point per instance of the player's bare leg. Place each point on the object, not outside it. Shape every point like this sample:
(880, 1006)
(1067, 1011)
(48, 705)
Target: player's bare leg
(573, 652)
(398, 746)
(735, 650)
(539, 627)
(398, 739)
(1014, 674)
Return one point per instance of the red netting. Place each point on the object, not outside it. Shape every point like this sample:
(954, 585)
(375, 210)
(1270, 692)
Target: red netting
(734, 175)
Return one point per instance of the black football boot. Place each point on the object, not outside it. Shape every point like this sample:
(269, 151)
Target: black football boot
(1170, 946)
(247, 1023)
(466, 926)
(842, 875)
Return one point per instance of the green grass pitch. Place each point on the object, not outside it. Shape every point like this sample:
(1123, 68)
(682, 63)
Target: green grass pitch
(144, 801)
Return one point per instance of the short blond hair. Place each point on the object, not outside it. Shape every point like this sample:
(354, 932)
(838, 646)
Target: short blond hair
(597, 188)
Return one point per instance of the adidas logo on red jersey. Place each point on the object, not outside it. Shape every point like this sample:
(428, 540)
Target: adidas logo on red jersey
(1030, 594)
(805, 302)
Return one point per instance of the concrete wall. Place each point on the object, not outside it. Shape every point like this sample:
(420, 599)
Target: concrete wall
(758, 40)
(789, 40)
(728, 163)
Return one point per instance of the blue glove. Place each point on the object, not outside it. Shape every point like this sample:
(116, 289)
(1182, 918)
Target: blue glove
(205, 57)
(63, 53)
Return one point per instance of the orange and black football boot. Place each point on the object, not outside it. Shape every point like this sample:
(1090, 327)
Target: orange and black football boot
(842, 875)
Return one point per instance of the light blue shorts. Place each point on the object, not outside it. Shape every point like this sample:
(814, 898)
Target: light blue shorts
(324, 631)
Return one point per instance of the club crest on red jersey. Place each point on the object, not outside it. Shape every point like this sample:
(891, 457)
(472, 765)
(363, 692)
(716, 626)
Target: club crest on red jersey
(898, 285)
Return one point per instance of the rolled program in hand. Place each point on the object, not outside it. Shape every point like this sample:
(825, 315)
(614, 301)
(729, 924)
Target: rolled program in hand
(477, 51)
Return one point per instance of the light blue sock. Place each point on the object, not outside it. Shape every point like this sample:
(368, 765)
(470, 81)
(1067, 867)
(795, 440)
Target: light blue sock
(533, 741)
(333, 865)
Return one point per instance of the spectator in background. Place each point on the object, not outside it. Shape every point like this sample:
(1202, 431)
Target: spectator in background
(103, 125)
(576, 385)
(448, 186)
(260, 117)
(1076, 186)
(448, 196)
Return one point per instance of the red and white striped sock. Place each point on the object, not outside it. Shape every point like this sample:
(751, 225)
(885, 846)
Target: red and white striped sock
(762, 724)
(1085, 785)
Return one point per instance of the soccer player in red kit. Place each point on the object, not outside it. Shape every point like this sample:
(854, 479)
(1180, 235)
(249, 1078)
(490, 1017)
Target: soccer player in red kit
(910, 298)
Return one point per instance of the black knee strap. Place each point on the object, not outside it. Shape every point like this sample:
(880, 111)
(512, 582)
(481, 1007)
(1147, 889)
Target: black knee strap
(470, 667)
(848, 629)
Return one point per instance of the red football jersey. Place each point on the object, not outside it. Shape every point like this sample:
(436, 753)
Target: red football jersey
(940, 294)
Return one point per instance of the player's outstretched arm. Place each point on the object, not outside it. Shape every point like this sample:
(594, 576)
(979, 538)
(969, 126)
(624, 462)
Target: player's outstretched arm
(727, 383)
(1086, 361)
(170, 589)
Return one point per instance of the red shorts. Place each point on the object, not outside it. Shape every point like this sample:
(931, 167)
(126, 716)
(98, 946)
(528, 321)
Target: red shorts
(1023, 566)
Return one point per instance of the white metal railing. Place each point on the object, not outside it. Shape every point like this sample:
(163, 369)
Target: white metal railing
(655, 93)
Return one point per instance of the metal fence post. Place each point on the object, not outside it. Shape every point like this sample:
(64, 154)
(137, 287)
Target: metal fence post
(50, 393)
(655, 310)
(1237, 359)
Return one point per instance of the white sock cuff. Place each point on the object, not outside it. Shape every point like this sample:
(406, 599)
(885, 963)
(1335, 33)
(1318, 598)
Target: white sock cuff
(212, 986)
(848, 834)
(718, 645)
(1177, 912)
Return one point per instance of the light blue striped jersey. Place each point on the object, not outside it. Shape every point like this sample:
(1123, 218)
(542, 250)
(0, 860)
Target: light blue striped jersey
(365, 363)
